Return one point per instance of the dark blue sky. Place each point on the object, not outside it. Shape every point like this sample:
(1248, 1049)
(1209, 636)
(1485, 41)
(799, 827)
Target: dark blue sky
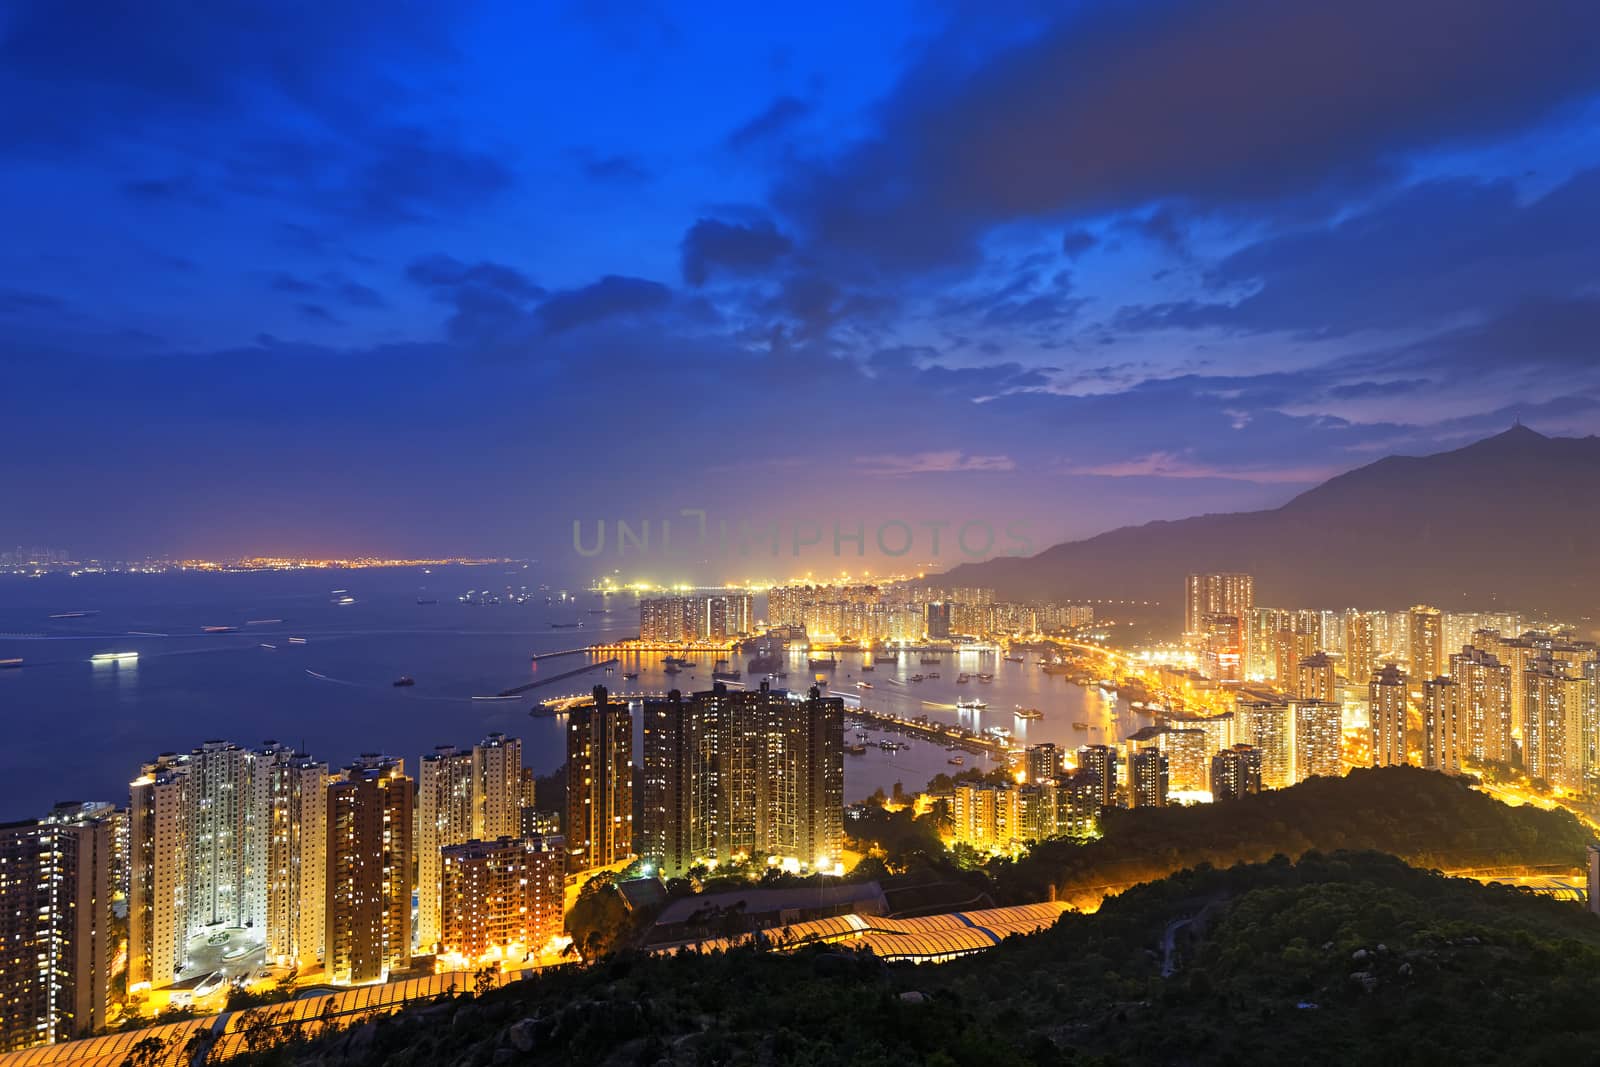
(401, 278)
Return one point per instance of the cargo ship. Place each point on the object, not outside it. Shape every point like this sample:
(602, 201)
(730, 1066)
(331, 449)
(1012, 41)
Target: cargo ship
(828, 664)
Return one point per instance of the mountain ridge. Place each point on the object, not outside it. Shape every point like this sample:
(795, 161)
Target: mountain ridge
(1509, 522)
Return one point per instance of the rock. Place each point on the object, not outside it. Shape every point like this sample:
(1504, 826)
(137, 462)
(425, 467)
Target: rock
(911, 996)
(1383, 948)
(521, 1034)
(1359, 954)
(1366, 979)
(1405, 969)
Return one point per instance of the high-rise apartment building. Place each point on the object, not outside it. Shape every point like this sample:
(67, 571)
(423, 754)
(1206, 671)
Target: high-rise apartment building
(731, 774)
(1386, 703)
(1216, 594)
(56, 932)
(497, 787)
(501, 899)
(371, 820)
(1556, 705)
(1445, 731)
(445, 810)
(599, 823)
(1362, 645)
(1222, 647)
(1290, 648)
(987, 816)
(1147, 778)
(158, 872)
(1485, 696)
(1426, 643)
(1268, 727)
(1315, 679)
(1100, 763)
(290, 821)
(1235, 773)
(1318, 739)
(1042, 761)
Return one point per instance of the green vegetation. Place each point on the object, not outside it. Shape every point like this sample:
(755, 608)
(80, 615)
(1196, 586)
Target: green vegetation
(1430, 820)
(1344, 958)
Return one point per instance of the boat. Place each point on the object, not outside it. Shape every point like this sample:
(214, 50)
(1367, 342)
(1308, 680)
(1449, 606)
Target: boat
(74, 614)
(985, 677)
(916, 678)
(261, 622)
(566, 626)
(956, 761)
(265, 645)
(297, 640)
(865, 667)
(220, 629)
(1015, 659)
(890, 746)
(1029, 713)
(403, 681)
(828, 664)
(422, 601)
(673, 668)
(630, 676)
(971, 705)
(345, 600)
(725, 676)
(963, 678)
(783, 674)
(114, 657)
(863, 685)
(857, 749)
(1080, 726)
(9, 664)
(933, 674)
(932, 659)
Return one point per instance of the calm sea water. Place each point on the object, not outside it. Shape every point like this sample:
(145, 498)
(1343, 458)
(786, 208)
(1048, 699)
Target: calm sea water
(77, 730)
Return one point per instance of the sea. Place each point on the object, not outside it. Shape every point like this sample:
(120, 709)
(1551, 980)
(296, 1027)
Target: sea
(310, 658)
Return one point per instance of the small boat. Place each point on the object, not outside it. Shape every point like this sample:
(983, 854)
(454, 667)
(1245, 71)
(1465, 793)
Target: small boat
(631, 676)
(9, 664)
(985, 677)
(261, 622)
(725, 676)
(403, 681)
(265, 645)
(1015, 659)
(863, 685)
(220, 629)
(422, 602)
(344, 600)
(828, 664)
(963, 678)
(857, 749)
(297, 640)
(932, 659)
(971, 705)
(956, 761)
(566, 626)
(933, 674)
(1080, 726)
(74, 614)
(916, 678)
(1029, 713)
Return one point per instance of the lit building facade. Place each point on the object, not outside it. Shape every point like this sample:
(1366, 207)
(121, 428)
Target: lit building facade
(445, 811)
(1235, 773)
(599, 823)
(1216, 594)
(56, 931)
(1268, 727)
(501, 899)
(371, 813)
(1485, 695)
(1318, 739)
(1147, 778)
(1386, 702)
(1426, 643)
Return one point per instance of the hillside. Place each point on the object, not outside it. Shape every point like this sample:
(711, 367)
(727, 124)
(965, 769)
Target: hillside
(1510, 520)
(1427, 819)
(1348, 958)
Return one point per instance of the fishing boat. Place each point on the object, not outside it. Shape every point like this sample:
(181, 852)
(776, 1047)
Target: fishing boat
(971, 705)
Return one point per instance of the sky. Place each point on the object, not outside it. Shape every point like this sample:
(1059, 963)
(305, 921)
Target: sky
(429, 279)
